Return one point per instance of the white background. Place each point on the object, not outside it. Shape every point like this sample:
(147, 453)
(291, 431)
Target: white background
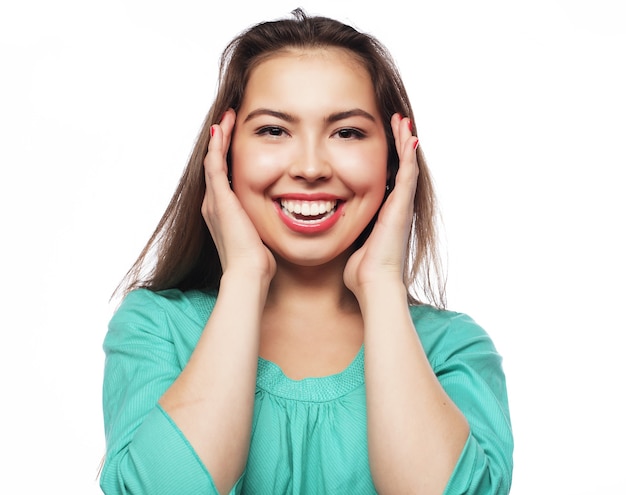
(520, 109)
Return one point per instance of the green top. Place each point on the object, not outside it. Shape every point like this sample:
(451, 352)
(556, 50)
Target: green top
(308, 436)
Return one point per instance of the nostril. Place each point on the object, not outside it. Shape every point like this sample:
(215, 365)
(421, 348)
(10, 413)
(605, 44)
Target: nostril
(311, 165)
(312, 173)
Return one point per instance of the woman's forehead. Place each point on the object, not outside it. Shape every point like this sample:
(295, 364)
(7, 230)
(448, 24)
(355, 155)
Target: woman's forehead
(320, 73)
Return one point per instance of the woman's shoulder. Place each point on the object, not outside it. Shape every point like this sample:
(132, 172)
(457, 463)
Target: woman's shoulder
(168, 299)
(445, 333)
(434, 318)
(155, 311)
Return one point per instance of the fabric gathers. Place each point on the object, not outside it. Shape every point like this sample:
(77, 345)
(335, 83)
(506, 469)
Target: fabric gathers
(308, 436)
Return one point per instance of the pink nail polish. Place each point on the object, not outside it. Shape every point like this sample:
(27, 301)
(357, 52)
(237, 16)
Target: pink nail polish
(417, 141)
(212, 131)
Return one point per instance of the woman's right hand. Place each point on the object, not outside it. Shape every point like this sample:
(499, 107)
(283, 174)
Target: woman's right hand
(238, 244)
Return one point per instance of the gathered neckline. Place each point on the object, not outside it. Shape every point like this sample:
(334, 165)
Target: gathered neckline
(272, 379)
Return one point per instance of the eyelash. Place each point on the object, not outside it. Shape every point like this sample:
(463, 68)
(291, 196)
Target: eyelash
(354, 133)
(275, 131)
(267, 131)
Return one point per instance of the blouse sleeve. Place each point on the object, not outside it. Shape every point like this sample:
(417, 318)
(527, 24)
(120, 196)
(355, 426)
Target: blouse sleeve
(470, 370)
(146, 452)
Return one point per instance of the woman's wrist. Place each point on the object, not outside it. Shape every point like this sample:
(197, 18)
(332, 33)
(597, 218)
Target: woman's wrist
(380, 292)
(245, 284)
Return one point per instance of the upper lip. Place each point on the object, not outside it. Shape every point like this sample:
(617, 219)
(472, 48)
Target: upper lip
(319, 196)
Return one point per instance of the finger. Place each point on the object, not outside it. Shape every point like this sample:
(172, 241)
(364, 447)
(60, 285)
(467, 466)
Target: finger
(227, 125)
(402, 129)
(215, 164)
(406, 145)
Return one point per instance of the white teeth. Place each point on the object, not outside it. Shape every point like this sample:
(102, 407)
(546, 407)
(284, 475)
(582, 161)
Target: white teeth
(307, 208)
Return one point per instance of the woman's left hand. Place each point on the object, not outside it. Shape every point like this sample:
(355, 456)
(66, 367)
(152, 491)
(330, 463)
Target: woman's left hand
(381, 259)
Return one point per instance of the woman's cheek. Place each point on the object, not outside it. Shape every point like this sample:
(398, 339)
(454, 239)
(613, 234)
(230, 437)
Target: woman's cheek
(363, 170)
(257, 166)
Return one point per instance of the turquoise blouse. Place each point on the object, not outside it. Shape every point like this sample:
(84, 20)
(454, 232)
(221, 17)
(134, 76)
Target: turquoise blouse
(308, 436)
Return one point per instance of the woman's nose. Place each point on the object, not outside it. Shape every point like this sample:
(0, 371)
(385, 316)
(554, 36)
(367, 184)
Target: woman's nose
(311, 164)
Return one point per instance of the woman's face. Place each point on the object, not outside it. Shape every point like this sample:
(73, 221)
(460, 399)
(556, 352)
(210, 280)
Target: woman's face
(309, 154)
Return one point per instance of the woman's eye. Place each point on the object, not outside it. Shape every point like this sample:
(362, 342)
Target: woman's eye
(350, 134)
(271, 131)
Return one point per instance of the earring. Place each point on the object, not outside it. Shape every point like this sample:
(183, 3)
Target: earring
(387, 187)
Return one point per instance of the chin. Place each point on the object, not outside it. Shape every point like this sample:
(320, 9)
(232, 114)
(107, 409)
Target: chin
(316, 260)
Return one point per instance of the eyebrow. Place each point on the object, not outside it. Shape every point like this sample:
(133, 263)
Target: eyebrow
(333, 117)
(355, 112)
(272, 113)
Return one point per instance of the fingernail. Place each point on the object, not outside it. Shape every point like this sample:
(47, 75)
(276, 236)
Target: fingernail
(410, 124)
(212, 131)
(417, 141)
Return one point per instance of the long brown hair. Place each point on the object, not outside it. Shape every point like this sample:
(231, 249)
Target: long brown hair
(181, 253)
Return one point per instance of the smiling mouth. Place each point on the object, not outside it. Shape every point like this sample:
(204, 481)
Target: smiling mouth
(308, 211)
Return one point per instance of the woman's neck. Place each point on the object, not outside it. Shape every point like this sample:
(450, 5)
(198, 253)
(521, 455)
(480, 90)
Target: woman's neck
(302, 287)
(312, 324)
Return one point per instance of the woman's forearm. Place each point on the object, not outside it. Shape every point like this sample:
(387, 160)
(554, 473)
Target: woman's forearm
(415, 432)
(212, 400)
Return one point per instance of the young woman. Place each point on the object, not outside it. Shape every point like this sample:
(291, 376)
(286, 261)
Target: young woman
(280, 343)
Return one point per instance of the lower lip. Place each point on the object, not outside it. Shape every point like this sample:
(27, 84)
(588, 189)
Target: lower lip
(316, 227)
